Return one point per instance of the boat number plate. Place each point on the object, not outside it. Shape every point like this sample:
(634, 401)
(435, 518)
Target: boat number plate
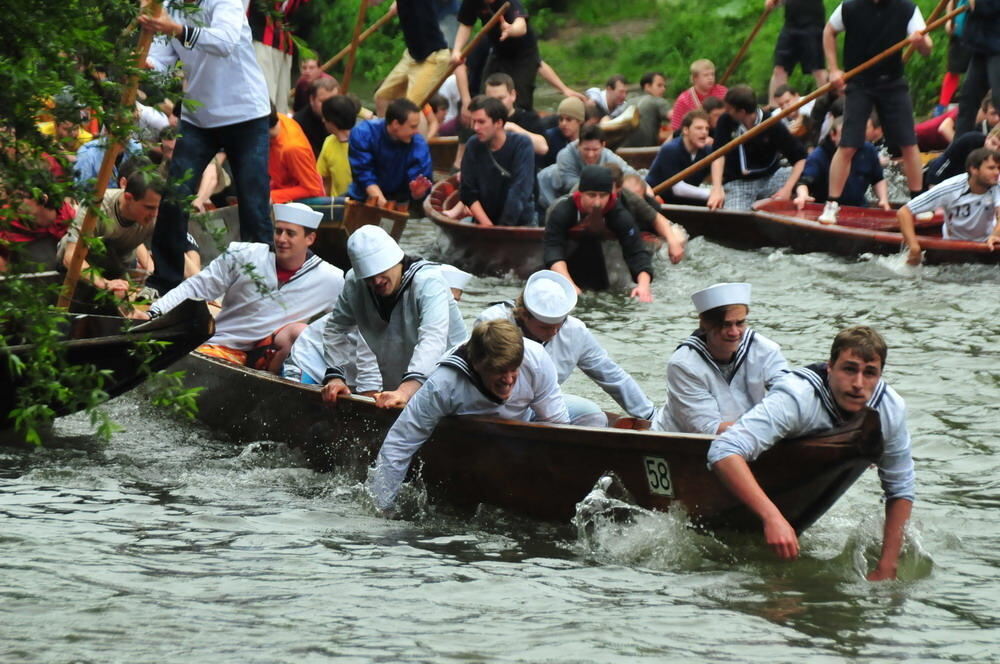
(658, 476)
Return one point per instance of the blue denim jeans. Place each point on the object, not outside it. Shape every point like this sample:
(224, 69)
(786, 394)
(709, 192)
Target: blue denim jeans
(246, 145)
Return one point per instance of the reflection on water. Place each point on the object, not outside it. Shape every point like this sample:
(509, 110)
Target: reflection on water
(170, 544)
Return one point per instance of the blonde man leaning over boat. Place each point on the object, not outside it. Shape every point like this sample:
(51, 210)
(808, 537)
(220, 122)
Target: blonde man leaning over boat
(813, 399)
(723, 369)
(403, 309)
(497, 372)
(542, 313)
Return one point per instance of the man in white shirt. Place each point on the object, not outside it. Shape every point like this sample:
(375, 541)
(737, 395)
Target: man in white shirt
(212, 40)
(723, 369)
(268, 294)
(496, 372)
(971, 204)
(813, 399)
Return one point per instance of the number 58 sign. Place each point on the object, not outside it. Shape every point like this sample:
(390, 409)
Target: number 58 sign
(658, 476)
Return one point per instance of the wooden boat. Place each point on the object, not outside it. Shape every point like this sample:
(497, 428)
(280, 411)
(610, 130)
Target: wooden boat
(116, 346)
(595, 261)
(540, 471)
(858, 231)
(214, 230)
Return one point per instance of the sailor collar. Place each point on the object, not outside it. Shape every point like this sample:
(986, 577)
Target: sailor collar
(696, 342)
(817, 375)
(386, 305)
(311, 262)
(459, 361)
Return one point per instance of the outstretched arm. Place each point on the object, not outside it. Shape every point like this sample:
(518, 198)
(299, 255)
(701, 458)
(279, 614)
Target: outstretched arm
(897, 513)
(735, 474)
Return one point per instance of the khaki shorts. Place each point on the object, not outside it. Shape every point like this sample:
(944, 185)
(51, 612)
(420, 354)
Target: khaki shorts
(414, 79)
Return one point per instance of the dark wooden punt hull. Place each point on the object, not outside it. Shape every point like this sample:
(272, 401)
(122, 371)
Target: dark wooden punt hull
(109, 343)
(859, 231)
(444, 148)
(214, 230)
(540, 471)
(595, 261)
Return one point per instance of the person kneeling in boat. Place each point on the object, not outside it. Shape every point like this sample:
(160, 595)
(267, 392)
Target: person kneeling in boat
(597, 206)
(404, 311)
(971, 204)
(814, 399)
(498, 170)
(267, 294)
(497, 372)
(542, 313)
(866, 170)
(723, 369)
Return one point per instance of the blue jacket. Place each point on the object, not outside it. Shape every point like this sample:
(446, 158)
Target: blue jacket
(378, 159)
(866, 170)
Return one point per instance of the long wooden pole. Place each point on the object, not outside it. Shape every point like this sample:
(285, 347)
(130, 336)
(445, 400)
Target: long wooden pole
(364, 35)
(908, 53)
(345, 84)
(466, 51)
(114, 148)
(766, 124)
(743, 49)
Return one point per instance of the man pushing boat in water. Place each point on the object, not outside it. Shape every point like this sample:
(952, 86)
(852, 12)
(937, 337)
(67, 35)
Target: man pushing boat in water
(812, 399)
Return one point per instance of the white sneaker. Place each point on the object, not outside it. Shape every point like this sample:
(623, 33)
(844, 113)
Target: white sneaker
(829, 215)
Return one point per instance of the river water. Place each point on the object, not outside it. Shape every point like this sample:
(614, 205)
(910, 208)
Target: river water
(169, 543)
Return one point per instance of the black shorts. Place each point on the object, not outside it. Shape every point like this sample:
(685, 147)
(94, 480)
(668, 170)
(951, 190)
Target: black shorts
(895, 111)
(800, 46)
(958, 56)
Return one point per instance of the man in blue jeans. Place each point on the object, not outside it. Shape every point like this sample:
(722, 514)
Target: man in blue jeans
(212, 39)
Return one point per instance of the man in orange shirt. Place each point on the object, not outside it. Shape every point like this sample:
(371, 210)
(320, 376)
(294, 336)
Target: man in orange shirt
(291, 163)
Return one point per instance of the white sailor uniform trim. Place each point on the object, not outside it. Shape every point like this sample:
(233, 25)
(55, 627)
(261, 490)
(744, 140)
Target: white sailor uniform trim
(697, 343)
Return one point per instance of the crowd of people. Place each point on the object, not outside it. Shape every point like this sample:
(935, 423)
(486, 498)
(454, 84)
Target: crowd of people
(390, 326)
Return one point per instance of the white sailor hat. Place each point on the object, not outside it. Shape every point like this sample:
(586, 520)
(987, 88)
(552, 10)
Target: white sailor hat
(297, 213)
(549, 296)
(721, 295)
(454, 277)
(372, 251)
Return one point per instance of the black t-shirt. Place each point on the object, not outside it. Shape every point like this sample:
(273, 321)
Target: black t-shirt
(871, 27)
(312, 127)
(509, 49)
(418, 18)
(527, 120)
(804, 14)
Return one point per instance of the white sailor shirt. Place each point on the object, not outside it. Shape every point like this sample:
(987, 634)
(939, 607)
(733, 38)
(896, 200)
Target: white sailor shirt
(408, 334)
(701, 394)
(306, 358)
(575, 346)
(801, 404)
(220, 69)
(967, 216)
(454, 388)
(245, 277)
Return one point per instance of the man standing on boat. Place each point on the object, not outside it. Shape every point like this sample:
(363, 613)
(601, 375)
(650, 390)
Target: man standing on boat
(495, 373)
(268, 294)
(799, 43)
(870, 27)
(542, 312)
(389, 160)
(595, 205)
(971, 204)
(813, 399)
(404, 310)
(722, 370)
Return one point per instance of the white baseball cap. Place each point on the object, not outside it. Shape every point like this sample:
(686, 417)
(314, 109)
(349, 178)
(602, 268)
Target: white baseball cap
(297, 213)
(549, 296)
(454, 277)
(372, 251)
(721, 295)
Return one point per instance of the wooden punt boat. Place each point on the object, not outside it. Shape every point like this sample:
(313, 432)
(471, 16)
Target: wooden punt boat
(540, 471)
(214, 230)
(595, 261)
(114, 345)
(858, 231)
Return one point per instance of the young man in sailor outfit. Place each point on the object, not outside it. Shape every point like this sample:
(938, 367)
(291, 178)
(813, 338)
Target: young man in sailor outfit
(268, 294)
(723, 369)
(306, 363)
(542, 313)
(819, 397)
(496, 372)
(404, 310)
(971, 203)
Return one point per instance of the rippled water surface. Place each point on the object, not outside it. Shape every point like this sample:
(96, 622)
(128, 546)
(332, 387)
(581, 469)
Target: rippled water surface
(169, 543)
